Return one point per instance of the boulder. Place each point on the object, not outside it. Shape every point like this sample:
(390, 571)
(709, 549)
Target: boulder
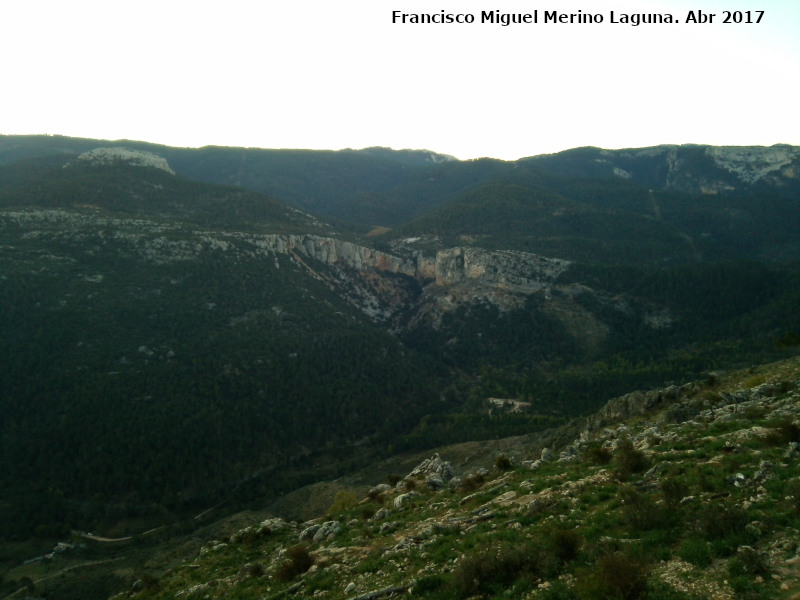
(403, 499)
(435, 482)
(275, 524)
(309, 532)
(380, 514)
(433, 467)
(571, 454)
(327, 530)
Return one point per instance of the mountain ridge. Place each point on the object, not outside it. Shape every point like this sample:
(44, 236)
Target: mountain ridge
(708, 169)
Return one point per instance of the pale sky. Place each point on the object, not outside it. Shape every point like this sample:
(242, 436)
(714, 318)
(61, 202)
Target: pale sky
(321, 74)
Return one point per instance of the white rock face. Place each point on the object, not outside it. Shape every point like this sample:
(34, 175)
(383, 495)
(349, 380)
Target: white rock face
(752, 163)
(505, 269)
(621, 173)
(105, 156)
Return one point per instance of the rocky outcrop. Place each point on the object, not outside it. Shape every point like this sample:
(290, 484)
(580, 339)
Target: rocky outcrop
(332, 251)
(510, 270)
(753, 163)
(106, 156)
(402, 500)
(435, 471)
(690, 168)
(321, 532)
(506, 269)
(636, 403)
(428, 285)
(454, 276)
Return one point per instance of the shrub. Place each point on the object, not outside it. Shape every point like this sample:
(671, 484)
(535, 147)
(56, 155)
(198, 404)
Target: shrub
(673, 491)
(503, 463)
(741, 575)
(614, 577)
(253, 570)
(495, 569)
(375, 495)
(640, 511)
(628, 460)
(707, 480)
(564, 544)
(695, 551)
(754, 381)
(723, 526)
(753, 561)
(427, 584)
(251, 535)
(718, 520)
(344, 500)
(754, 412)
(598, 455)
(471, 482)
(712, 397)
(299, 560)
(783, 432)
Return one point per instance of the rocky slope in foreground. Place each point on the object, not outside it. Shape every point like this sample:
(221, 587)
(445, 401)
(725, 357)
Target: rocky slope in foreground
(682, 493)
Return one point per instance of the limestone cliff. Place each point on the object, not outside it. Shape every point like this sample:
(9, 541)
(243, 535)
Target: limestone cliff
(714, 169)
(139, 158)
(516, 271)
(687, 168)
(450, 278)
(505, 269)
(753, 163)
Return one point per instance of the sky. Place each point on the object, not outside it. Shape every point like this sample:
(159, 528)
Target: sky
(320, 74)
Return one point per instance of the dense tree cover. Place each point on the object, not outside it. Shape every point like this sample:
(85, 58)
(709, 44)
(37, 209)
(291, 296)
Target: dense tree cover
(477, 335)
(435, 430)
(615, 223)
(318, 181)
(136, 191)
(726, 315)
(158, 384)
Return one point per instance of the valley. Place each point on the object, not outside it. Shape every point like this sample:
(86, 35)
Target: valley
(192, 337)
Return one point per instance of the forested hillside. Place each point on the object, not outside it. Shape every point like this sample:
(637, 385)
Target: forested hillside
(149, 362)
(175, 339)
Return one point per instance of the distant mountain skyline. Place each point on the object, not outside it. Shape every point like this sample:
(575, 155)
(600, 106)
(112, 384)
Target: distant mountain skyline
(415, 148)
